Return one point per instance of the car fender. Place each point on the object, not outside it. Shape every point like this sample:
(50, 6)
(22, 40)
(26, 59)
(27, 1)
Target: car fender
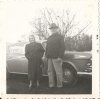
(71, 63)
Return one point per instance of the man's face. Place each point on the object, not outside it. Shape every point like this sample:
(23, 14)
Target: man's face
(31, 39)
(54, 30)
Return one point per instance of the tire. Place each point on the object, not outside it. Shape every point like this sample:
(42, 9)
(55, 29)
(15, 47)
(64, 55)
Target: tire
(69, 75)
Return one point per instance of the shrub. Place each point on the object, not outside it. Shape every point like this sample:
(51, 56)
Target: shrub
(79, 43)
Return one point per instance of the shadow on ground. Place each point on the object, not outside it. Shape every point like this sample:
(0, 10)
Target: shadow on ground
(18, 84)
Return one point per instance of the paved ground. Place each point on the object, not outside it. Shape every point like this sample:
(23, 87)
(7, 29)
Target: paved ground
(18, 84)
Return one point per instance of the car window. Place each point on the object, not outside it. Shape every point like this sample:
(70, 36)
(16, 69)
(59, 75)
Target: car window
(17, 50)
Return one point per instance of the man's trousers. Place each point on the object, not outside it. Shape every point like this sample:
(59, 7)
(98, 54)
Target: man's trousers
(55, 67)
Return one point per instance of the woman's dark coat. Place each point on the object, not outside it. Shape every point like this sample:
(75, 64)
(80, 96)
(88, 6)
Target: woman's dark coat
(34, 52)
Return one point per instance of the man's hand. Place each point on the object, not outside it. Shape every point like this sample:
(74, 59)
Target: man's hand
(43, 58)
(59, 59)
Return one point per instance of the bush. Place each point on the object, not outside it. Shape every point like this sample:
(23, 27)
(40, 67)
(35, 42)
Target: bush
(79, 43)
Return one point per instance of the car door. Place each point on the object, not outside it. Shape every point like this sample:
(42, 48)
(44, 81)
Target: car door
(16, 61)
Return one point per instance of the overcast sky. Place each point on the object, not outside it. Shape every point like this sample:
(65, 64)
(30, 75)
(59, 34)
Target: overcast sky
(16, 15)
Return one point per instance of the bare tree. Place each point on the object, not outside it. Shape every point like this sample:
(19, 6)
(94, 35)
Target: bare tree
(65, 21)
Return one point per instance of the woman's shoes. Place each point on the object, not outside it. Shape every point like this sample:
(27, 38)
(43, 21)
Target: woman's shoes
(30, 87)
(38, 85)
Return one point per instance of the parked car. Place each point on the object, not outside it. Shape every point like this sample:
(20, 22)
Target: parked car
(74, 63)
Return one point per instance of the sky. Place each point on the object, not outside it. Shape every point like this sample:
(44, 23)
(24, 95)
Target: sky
(16, 15)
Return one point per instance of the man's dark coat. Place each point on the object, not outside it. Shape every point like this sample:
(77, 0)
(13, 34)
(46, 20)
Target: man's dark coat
(55, 46)
(34, 52)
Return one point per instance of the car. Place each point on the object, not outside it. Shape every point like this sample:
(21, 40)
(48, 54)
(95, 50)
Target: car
(74, 63)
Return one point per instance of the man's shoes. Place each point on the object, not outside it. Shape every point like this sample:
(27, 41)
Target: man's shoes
(52, 88)
(59, 87)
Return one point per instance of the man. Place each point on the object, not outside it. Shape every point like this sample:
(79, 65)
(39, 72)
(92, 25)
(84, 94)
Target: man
(54, 52)
(34, 52)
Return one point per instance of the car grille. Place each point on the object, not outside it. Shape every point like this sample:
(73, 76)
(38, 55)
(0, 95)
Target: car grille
(89, 66)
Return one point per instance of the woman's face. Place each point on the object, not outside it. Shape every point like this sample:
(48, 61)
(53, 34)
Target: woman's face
(31, 39)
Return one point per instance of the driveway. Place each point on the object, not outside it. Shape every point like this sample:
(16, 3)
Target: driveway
(18, 84)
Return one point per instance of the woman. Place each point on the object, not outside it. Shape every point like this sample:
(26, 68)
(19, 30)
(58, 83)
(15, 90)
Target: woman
(34, 52)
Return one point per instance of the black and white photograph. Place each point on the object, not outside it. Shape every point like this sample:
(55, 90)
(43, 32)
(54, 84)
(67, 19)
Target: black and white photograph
(51, 49)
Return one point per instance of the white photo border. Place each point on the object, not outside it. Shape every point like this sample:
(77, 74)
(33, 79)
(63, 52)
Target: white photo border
(95, 62)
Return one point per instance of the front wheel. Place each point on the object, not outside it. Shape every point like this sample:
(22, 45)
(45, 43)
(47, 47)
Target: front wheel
(69, 76)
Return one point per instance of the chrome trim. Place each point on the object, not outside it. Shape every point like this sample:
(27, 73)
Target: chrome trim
(24, 73)
(84, 73)
(79, 73)
(17, 73)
